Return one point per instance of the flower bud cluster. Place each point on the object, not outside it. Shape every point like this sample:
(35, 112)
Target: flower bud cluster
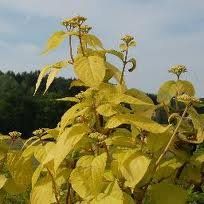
(39, 132)
(178, 69)
(74, 22)
(97, 136)
(15, 134)
(127, 39)
(85, 29)
(188, 99)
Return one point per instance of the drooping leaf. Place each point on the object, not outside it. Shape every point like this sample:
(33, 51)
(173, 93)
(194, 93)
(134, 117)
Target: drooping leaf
(53, 70)
(90, 70)
(43, 72)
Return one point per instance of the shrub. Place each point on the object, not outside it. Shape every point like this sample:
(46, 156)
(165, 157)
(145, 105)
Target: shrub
(107, 148)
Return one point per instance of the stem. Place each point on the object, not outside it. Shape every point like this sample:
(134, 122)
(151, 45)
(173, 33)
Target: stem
(173, 135)
(68, 198)
(70, 46)
(80, 40)
(54, 186)
(165, 150)
(124, 65)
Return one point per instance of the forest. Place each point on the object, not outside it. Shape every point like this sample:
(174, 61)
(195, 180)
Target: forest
(23, 112)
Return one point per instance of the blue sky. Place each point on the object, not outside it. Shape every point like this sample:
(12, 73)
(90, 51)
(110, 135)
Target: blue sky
(167, 32)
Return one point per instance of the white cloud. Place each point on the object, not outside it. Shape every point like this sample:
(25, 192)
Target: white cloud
(157, 26)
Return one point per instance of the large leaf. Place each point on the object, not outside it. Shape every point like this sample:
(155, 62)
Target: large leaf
(65, 144)
(134, 168)
(138, 120)
(185, 87)
(87, 177)
(166, 92)
(167, 193)
(90, 70)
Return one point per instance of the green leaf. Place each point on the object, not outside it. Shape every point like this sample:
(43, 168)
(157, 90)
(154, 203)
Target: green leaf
(167, 193)
(87, 177)
(167, 169)
(65, 144)
(12, 188)
(90, 70)
(92, 41)
(2, 180)
(54, 41)
(138, 120)
(162, 140)
(166, 92)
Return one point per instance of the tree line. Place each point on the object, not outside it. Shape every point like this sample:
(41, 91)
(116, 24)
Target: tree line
(21, 111)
